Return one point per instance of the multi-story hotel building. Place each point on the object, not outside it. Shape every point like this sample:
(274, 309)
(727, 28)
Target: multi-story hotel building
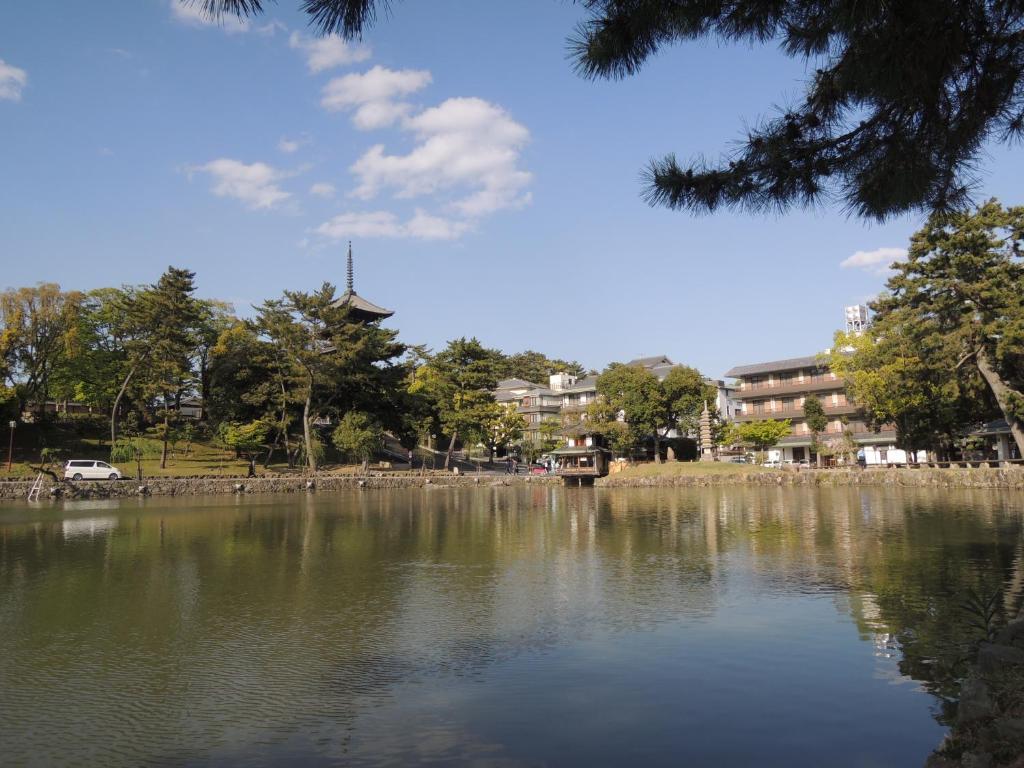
(535, 402)
(778, 390)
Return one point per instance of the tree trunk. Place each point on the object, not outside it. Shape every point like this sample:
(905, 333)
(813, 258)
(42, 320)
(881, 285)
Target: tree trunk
(451, 449)
(657, 447)
(117, 404)
(366, 465)
(1002, 393)
(307, 433)
(284, 423)
(167, 431)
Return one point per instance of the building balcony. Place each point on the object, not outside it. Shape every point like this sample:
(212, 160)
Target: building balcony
(537, 408)
(882, 437)
(797, 413)
(795, 388)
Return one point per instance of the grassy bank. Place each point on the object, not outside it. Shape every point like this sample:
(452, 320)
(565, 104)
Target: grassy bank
(200, 459)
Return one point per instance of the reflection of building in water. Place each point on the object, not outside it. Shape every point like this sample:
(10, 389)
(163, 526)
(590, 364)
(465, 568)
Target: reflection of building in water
(89, 526)
(868, 615)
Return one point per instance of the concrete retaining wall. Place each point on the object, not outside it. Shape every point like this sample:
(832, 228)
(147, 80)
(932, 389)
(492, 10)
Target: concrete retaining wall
(1010, 478)
(106, 489)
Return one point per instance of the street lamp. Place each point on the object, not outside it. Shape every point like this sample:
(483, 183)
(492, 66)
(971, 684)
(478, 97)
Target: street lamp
(10, 445)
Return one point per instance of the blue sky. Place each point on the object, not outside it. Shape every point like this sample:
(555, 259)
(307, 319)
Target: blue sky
(487, 189)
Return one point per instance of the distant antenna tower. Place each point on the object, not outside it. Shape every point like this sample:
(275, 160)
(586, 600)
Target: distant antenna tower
(857, 318)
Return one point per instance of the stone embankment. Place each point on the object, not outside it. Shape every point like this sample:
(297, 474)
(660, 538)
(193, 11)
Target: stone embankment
(1011, 478)
(205, 486)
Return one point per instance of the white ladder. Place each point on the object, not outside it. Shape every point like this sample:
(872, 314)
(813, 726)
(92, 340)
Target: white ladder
(37, 486)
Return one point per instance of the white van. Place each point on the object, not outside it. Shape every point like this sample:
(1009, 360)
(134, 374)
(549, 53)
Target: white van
(87, 469)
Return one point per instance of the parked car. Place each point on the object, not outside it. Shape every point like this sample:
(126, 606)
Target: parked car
(89, 469)
(774, 463)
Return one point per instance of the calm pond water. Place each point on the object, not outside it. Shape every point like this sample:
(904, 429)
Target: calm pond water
(494, 626)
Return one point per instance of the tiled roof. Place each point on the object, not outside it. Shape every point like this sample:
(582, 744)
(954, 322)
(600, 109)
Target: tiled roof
(587, 384)
(650, 362)
(790, 364)
(516, 384)
(997, 427)
(361, 306)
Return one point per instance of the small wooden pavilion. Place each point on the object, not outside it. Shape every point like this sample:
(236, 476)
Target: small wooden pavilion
(584, 457)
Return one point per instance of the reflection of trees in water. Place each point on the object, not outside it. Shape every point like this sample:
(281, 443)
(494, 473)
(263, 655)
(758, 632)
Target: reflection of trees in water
(184, 623)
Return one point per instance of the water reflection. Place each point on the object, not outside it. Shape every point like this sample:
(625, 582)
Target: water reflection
(506, 626)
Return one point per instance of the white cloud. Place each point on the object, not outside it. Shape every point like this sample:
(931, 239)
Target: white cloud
(427, 227)
(322, 189)
(191, 12)
(464, 145)
(253, 184)
(370, 224)
(328, 52)
(12, 81)
(372, 94)
(421, 226)
(270, 28)
(877, 262)
(288, 146)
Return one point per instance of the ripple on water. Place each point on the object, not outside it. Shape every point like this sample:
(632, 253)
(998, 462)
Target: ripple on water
(488, 626)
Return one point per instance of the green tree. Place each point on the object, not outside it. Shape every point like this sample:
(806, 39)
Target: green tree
(881, 144)
(602, 419)
(637, 394)
(816, 419)
(503, 428)
(762, 435)
(247, 440)
(460, 380)
(900, 380)
(358, 436)
(215, 317)
(98, 367)
(536, 367)
(249, 379)
(960, 294)
(686, 391)
(336, 364)
(157, 328)
(171, 318)
(39, 336)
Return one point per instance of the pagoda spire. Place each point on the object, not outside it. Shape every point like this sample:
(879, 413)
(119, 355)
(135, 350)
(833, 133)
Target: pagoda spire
(349, 279)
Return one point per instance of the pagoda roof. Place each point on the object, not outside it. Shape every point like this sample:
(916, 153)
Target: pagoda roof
(360, 308)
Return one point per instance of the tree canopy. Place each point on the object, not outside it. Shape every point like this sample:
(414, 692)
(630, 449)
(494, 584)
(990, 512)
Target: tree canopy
(761, 434)
(902, 99)
(459, 382)
(650, 407)
(960, 297)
